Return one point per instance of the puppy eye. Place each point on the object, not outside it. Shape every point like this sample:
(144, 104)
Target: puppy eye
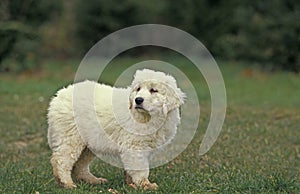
(138, 89)
(152, 90)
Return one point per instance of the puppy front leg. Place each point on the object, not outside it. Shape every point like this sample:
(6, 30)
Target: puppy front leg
(136, 166)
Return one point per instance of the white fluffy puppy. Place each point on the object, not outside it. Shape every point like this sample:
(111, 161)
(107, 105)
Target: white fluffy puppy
(130, 123)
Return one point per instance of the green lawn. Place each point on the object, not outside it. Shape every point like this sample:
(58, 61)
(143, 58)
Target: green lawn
(258, 150)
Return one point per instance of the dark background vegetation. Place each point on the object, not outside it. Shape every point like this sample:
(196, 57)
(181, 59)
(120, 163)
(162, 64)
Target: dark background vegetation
(256, 45)
(265, 33)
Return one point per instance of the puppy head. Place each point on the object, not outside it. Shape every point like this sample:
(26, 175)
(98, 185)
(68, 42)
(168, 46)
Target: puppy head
(154, 94)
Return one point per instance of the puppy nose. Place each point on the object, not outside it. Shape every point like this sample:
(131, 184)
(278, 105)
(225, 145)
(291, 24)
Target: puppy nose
(139, 100)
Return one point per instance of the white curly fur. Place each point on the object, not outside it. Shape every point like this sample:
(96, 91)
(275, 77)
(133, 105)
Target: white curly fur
(121, 128)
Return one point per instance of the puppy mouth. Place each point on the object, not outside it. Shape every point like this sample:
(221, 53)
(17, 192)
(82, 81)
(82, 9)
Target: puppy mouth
(139, 107)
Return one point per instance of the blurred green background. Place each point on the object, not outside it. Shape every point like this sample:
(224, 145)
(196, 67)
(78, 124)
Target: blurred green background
(264, 33)
(256, 45)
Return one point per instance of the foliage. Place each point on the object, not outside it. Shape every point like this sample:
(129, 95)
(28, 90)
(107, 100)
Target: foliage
(19, 29)
(264, 32)
(98, 18)
(261, 32)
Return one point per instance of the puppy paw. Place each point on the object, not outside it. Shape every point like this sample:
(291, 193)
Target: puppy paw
(150, 186)
(132, 185)
(101, 180)
(95, 181)
(68, 185)
(92, 179)
(146, 185)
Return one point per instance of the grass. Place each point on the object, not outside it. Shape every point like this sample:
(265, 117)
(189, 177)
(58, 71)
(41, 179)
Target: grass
(258, 150)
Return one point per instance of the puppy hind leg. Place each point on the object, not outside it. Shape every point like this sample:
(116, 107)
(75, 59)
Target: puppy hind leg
(81, 168)
(62, 161)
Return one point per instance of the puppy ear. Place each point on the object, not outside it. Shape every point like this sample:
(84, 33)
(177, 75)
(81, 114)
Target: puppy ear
(174, 99)
(130, 101)
(130, 104)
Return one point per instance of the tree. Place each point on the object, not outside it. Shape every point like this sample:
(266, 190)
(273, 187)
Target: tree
(99, 18)
(20, 20)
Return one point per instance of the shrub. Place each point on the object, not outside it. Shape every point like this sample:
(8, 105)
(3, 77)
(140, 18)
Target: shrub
(267, 33)
(98, 18)
(19, 30)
